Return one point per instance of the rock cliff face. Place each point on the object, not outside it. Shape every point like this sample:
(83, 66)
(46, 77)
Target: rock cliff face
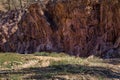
(77, 27)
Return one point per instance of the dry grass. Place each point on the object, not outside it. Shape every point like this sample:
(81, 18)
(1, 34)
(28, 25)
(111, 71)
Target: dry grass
(65, 67)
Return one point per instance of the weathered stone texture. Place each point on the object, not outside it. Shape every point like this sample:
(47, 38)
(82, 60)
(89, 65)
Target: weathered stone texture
(77, 27)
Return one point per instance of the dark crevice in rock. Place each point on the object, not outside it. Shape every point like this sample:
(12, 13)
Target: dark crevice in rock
(50, 20)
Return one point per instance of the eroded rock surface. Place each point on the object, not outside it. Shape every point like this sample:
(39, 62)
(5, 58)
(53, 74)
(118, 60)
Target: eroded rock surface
(77, 27)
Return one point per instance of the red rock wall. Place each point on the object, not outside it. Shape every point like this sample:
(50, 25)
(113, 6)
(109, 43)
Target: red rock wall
(77, 27)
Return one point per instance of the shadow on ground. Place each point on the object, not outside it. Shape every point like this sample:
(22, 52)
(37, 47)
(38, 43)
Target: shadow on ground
(53, 72)
(113, 61)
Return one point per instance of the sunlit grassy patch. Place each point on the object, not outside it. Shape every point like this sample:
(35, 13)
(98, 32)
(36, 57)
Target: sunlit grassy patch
(52, 54)
(44, 66)
(9, 60)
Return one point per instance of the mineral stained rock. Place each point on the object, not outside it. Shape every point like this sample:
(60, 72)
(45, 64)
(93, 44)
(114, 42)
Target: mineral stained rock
(76, 27)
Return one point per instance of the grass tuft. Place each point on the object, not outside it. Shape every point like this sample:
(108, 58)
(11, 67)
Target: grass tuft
(52, 54)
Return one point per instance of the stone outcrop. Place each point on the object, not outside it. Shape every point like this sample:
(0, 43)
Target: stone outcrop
(76, 27)
(8, 29)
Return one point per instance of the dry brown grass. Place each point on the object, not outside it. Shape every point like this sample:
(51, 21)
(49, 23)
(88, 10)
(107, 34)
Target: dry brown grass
(64, 67)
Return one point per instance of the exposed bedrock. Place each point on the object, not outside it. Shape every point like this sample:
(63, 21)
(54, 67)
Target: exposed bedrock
(77, 27)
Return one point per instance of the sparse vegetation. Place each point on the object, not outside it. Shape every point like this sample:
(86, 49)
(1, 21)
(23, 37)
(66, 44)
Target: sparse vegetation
(11, 60)
(8, 60)
(59, 66)
(52, 54)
